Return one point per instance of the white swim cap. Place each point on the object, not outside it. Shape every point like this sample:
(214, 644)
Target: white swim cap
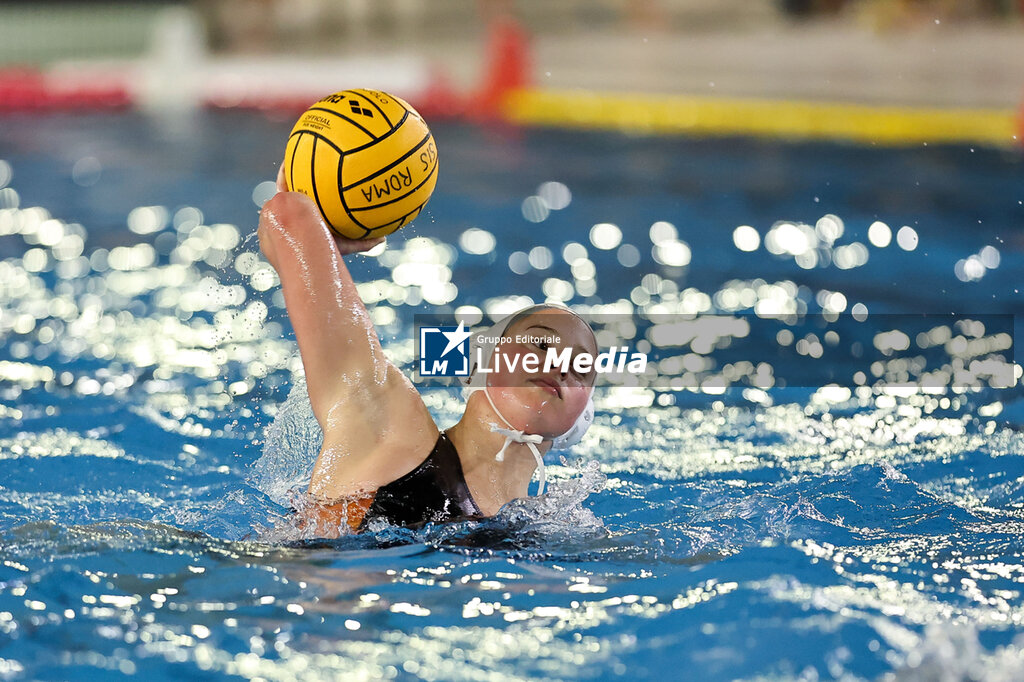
(477, 381)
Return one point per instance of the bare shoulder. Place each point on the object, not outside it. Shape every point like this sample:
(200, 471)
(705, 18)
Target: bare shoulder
(372, 437)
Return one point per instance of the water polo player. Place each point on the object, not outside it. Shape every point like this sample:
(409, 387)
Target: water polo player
(382, 455)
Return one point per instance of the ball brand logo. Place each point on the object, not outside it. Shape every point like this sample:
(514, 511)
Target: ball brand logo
(338, 98)
(444, 351)
(356, 109)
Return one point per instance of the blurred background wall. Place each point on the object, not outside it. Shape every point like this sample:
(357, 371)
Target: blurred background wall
(955, 53)
(37, 29)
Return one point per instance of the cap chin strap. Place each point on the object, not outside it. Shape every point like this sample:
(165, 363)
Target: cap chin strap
(477, 381)
(532, 440)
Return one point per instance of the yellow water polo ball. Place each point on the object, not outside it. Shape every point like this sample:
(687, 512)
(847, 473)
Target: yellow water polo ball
(366, 158)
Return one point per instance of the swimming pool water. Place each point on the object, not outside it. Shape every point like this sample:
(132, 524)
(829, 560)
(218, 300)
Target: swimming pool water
(149, 441)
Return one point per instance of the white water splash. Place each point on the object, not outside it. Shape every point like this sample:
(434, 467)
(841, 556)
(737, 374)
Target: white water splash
(290, 448)
(953, 653)
(559, 513)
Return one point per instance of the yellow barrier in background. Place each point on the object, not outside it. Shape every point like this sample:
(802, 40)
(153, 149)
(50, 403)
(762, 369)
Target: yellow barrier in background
(666, 114)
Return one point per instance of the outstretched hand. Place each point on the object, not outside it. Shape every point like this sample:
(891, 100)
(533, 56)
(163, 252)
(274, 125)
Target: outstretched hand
(345, 245)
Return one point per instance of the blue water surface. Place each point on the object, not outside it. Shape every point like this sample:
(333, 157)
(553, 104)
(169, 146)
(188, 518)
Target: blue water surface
(746, 525)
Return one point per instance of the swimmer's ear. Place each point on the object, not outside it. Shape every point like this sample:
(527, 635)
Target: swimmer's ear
(282, 184)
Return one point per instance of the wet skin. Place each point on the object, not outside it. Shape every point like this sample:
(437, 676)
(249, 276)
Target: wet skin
(376, 427)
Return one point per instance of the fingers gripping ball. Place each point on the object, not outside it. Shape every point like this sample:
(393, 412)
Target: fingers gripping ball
(367, 160)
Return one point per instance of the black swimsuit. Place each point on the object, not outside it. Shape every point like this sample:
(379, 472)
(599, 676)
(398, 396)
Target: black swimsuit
(436, 490)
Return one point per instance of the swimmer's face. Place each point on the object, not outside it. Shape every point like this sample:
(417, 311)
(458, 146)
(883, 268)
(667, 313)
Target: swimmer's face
(545, 403)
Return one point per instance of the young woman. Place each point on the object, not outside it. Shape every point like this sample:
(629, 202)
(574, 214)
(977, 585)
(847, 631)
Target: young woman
(383, 456)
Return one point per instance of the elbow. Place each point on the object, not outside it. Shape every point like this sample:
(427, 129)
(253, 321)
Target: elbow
(270, 228)
(287, 216)
(290, 214)
(265, 237)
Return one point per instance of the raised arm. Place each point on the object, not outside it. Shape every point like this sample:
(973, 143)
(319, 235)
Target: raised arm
(374, 422)
(338, 343)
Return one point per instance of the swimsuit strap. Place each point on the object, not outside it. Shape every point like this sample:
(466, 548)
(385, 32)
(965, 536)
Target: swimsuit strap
(436, 490)
(447, 459)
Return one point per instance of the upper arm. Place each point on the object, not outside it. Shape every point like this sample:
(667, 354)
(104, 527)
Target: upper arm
(340, 350)
(368, 443)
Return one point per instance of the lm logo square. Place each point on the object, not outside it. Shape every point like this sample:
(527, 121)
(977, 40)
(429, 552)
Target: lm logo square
(444, 351)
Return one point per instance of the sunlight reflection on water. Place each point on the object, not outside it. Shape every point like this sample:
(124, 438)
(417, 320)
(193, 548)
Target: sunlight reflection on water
(154, 426)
